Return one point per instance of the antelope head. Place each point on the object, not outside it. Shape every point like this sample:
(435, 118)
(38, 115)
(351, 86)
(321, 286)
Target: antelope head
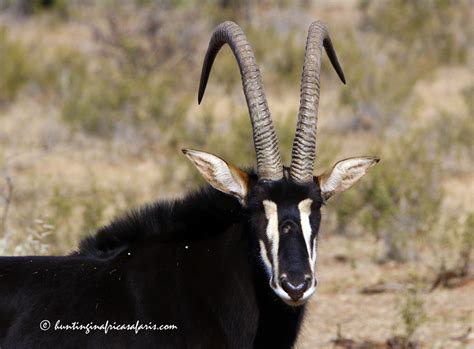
(283, 203)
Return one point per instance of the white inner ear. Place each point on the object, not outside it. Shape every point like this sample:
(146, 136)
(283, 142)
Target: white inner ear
(218, 173)
(345, 174)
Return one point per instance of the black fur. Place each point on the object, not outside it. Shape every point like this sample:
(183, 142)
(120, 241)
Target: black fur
(193, 263)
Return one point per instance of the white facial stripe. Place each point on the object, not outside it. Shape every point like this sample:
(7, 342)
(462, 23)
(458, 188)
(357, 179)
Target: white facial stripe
(305, 211)
(314, 255)
(264, 255)
(271, 212)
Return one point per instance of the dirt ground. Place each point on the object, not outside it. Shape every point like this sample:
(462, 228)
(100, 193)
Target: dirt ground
(449, 313)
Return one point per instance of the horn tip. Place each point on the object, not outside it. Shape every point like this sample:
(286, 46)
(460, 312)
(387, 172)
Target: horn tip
(200, 96)
(342, 77)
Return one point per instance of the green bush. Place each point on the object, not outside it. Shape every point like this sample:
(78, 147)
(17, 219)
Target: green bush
(399, 201)
(128, 84)
(15, 67)
(59, 8)
(412, 309)
(398, 43)
(429, 29)
(453, 245)
(380, 79)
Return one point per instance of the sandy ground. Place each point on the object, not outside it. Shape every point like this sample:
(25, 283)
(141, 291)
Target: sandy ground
(338, 302)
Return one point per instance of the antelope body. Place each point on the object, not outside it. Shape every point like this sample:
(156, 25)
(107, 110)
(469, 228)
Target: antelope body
(230, 265)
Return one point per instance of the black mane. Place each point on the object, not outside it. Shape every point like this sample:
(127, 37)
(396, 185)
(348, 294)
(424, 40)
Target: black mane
(180, 220)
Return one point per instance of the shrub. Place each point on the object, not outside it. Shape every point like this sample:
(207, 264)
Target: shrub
(398, 43)
(400, 201)
(60, 8)
(432, 29)
(15, 67)
(412, 310)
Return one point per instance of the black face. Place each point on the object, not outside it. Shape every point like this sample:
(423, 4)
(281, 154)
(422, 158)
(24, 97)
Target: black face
(285, 216)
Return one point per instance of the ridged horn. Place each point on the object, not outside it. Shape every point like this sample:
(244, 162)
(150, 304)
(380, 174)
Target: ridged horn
(304, 145)
(269, 165)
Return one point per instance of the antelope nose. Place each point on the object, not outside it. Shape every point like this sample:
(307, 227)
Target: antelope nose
(294, 289)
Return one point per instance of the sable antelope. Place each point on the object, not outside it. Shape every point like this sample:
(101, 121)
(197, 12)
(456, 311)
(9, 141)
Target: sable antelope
(230, 265)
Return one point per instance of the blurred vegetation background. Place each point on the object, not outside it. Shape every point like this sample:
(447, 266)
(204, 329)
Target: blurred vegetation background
(97, 98)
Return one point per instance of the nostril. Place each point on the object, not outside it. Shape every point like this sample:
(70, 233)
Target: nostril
(294, 290)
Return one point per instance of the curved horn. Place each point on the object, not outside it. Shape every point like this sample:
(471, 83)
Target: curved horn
(269, 166)
(304, 145)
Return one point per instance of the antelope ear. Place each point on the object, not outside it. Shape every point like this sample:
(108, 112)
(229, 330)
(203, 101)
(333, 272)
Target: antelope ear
(344, 175)
(217, 172)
